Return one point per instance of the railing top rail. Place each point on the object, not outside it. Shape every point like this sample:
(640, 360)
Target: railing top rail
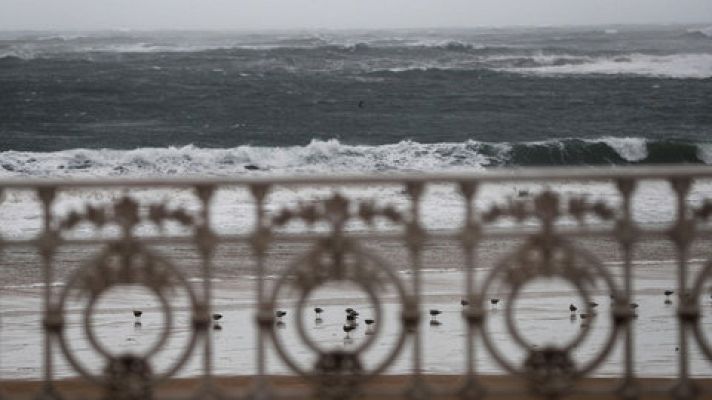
(485, 176)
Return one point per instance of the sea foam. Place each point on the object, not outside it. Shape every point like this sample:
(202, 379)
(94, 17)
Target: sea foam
(333, 156)
(691, 65)
(629, 148)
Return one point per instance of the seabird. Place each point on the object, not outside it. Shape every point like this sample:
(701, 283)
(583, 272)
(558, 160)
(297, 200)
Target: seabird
(137, 313)
(351, 320)
(494, 301)
(572, 308)
(369, 326)
(216, 325)
(464, 303)
(348, 329)
(435, 313)
(318, 310)
(668, 293)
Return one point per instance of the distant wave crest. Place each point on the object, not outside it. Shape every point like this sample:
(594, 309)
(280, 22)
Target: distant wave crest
(700, 33)
(691, 65)
(332, 156)
(688, 56)
(682, 66)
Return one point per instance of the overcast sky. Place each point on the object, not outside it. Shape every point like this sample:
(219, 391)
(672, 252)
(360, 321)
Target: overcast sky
(289, 14)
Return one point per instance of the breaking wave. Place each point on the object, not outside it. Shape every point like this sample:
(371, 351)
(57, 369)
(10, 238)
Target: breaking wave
(701, 33)
(331, 156)
(692, 65)
(688, 57)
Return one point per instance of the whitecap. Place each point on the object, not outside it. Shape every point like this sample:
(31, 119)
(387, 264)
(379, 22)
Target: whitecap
(704, 152)
(689, 65)
(629, 148)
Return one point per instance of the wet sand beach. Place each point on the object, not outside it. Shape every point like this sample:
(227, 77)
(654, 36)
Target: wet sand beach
(541, 313)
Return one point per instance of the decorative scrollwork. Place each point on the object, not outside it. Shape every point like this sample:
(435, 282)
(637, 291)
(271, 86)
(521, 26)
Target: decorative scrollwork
(550, 370)
(126, 213)
(336, 258)
(345, 262)
(547, 207)
(336, 211)
(126, 263)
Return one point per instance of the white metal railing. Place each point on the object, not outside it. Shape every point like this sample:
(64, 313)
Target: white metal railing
(126, 236)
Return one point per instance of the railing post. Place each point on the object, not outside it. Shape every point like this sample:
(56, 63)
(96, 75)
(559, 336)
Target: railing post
(415, 239)
(682, 234)
(260, 243)
(206, 242)
(472, 312)
(622, 307)
(47, 246)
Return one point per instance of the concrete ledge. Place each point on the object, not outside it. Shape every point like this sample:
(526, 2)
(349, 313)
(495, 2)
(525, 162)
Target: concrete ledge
(383, 387)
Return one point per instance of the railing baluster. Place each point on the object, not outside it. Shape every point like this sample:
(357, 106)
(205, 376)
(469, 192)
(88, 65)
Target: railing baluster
(206, 246)
(626, 238)
(47, 247)
(260, 243)
(414, 242)
(682, 234)
(471, 311)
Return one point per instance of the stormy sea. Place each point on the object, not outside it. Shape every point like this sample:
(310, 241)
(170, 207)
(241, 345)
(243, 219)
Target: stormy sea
(212, 103)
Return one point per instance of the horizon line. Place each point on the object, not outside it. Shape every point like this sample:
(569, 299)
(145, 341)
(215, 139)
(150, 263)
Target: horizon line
(363, 29)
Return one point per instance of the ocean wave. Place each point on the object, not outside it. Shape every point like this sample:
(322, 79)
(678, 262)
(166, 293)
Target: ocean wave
(682, 66)
(703, 33)
(378, 54)
(50, 49)
(332, 156)
(691, 65)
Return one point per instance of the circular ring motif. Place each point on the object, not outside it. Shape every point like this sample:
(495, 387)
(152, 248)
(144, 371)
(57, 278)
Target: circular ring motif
(547, 257)
(329, 262)
(127, 263)
(166, 310)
